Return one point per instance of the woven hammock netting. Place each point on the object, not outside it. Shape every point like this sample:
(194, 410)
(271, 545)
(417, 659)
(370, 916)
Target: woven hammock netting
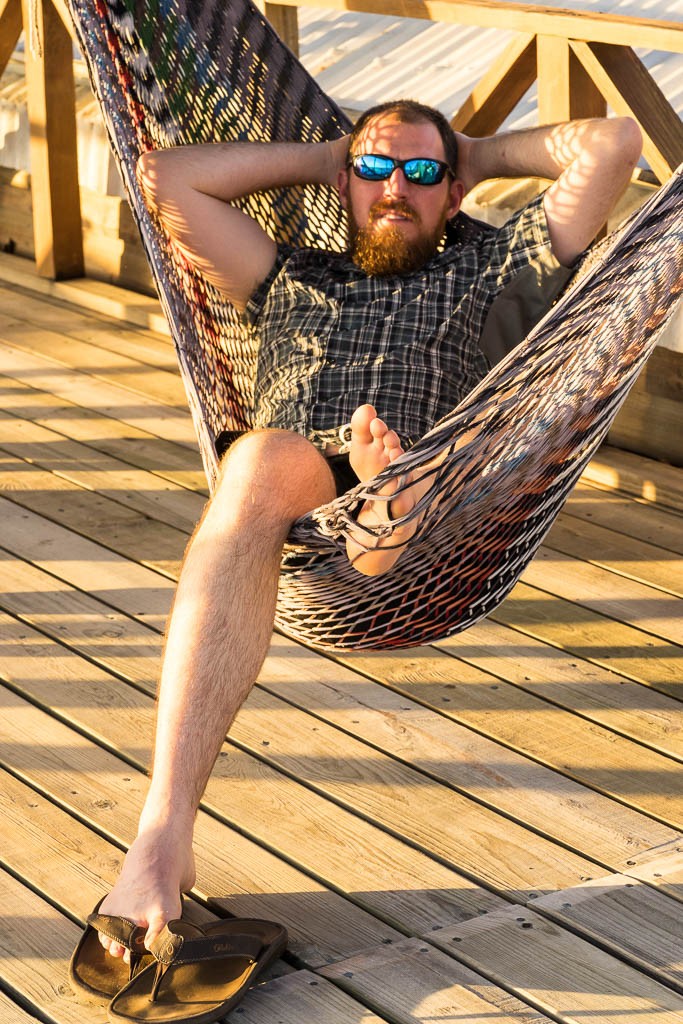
(168, 72)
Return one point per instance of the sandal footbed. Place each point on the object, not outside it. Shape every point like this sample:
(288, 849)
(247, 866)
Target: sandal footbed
(96, 975)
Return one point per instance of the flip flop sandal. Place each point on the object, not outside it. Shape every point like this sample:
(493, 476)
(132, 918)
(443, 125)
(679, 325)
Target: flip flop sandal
(201, 973)
(93, 971)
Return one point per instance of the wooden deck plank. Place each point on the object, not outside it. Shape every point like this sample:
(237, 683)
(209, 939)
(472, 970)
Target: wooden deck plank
(591, 586)
(653, 482)
(633, 920)
(84, 325)
(102, 364)
(414, 982)
(604, 549)
(303, 998)
(161, 500)
(627, 516)
(588, 690)
(109, 523)
(477, 766)
(560, 972)
(11, 1013)
(36, 944)
(661, 867)
(609, 643)
(506, 686)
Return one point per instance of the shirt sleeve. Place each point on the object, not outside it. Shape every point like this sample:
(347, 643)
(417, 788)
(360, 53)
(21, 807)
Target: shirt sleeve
(524, 277)
(257, 299)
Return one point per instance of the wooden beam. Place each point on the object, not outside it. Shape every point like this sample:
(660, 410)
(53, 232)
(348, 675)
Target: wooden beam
(628, 88)
(65, 15)
(504, 14)
(54, 166)
(10, 29)
(565, 89)
(500, 90)
(285, 21)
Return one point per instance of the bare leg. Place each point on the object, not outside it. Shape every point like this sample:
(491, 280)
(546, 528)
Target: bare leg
(373, 447)
(218, 636)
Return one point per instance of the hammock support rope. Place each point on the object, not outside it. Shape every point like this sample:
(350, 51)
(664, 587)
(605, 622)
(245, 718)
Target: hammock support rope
(502, 464)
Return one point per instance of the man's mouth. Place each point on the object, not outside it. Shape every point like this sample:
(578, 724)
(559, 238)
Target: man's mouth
(391, 211)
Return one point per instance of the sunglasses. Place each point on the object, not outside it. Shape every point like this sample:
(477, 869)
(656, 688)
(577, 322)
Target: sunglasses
(420, 170)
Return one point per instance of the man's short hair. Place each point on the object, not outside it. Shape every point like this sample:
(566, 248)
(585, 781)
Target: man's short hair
(412, 112)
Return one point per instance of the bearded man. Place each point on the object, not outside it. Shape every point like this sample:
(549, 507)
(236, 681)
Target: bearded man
(398, 324)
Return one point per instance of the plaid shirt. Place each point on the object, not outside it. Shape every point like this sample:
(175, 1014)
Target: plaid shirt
(333, 338)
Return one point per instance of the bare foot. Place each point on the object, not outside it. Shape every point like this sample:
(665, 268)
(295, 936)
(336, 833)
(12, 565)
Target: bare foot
(159, 866)
(373, 447)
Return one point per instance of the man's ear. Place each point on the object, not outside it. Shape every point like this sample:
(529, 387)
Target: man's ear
(343, 187)
(456, 194)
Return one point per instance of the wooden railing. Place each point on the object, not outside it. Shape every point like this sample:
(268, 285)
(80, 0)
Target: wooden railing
(582, 60)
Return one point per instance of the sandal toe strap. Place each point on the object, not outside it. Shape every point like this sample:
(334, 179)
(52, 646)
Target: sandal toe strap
(170, 947)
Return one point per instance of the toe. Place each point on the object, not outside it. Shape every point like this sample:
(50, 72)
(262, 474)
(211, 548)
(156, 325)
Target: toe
(392, 441)
(360, 423)
(379, 430)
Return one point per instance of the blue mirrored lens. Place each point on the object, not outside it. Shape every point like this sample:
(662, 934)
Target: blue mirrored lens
(374, 168)
(419, 170)
(424, 172)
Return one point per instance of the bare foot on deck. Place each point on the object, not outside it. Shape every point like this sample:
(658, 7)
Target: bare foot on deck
(373, 447)
(158, 867)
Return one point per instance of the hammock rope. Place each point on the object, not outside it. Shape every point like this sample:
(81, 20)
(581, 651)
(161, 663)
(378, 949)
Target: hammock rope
(502, 464)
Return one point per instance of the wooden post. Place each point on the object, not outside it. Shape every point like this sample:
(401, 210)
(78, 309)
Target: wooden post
(285, 21)
(54, 165)
(500, 90)
(10, 29)
(565, 90)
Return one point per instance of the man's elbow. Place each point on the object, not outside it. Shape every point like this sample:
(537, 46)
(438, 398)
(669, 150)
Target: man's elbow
(152, 171)
(627, 139)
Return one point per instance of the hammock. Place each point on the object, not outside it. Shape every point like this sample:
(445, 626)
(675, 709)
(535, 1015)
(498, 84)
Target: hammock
(175, 71)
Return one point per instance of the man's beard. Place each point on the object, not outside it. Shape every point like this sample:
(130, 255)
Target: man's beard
(383, 250)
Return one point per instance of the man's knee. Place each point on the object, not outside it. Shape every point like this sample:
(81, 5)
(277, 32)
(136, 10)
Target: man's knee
(279, 467)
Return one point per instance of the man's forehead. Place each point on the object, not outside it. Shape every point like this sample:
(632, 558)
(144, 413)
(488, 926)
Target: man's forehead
(385, 131)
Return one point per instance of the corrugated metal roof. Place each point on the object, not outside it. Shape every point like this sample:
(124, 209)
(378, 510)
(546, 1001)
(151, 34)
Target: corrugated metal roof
(362, 59)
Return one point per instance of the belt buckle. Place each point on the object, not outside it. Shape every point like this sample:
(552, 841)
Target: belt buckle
(345, 438)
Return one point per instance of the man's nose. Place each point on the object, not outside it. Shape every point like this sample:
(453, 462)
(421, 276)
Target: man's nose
(395, 185)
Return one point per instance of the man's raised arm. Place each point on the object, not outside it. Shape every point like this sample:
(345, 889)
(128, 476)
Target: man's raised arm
(591, 162)
(190, 189)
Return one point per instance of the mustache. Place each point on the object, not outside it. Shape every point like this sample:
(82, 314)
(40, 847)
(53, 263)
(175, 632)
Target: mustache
(399, 206)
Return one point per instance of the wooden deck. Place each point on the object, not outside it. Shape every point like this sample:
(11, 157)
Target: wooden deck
(486, 831)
